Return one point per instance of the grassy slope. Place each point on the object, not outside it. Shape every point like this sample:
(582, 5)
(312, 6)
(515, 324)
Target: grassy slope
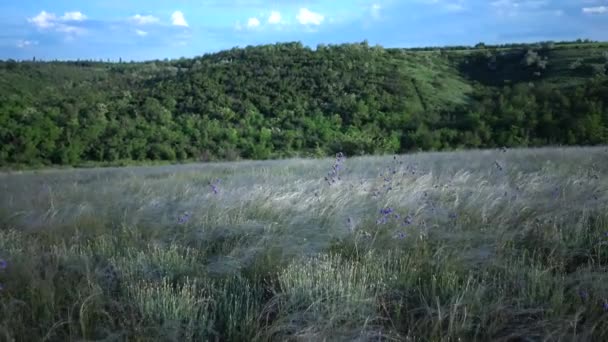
(488, 252)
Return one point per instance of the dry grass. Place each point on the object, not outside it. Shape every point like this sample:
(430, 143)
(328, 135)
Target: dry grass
(478, 245)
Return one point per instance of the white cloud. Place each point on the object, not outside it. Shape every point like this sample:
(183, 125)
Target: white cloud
(49, 21)
(275, 17)
(307, 17)
(253, 22)
(141, 33)
(25, 43)
(595, 10)
(144, 19)
(177, 18)
(73, 16)
(43, 20)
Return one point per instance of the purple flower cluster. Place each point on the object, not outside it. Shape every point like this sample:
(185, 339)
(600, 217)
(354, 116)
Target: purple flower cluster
(387, 177)
(409, 219)
(388, 214)
(334, 175)
(400, 235)
(215, 186)
(182, 219)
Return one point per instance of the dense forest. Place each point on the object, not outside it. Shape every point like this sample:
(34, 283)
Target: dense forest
(286, 99)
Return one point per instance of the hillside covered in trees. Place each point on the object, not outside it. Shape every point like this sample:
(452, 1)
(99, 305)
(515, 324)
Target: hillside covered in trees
(284, 100)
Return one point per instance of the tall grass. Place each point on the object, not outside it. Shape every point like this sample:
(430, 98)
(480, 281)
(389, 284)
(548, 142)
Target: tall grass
(475, 246)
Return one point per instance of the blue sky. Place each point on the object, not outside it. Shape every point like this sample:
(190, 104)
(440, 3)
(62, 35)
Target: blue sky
(155, 29)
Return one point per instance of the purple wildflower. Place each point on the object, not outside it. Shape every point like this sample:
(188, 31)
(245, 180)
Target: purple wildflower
(183, 218)
(1, 287)
(400, 235)
(214, 186)
(3, 264)
(583, 294)
(452, 216)
(605, 305)
(386, 211)
(408, 220)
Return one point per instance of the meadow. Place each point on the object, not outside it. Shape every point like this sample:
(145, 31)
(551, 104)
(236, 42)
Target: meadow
(502, 245)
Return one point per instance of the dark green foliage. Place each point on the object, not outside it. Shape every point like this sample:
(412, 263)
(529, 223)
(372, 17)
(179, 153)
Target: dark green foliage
(285, 100)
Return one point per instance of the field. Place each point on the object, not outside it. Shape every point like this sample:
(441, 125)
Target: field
(508, 245)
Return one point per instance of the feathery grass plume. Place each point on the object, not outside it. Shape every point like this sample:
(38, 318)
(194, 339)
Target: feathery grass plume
(162, 302)
(271, 261)
(326, 293)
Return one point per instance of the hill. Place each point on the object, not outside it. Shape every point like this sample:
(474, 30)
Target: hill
(286, 99)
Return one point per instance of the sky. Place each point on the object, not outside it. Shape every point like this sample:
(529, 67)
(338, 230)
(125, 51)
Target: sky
(155, 29)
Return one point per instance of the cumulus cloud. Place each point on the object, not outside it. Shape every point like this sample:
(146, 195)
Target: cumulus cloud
(43, 20)
(253, 22)
(73, 16)
(49, 21)
(141, 33)
(308, 17)
(595, 10)
(144, 19)
(275, 17)
(177, 18)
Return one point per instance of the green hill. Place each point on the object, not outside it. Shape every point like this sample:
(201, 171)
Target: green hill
(285, 99)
